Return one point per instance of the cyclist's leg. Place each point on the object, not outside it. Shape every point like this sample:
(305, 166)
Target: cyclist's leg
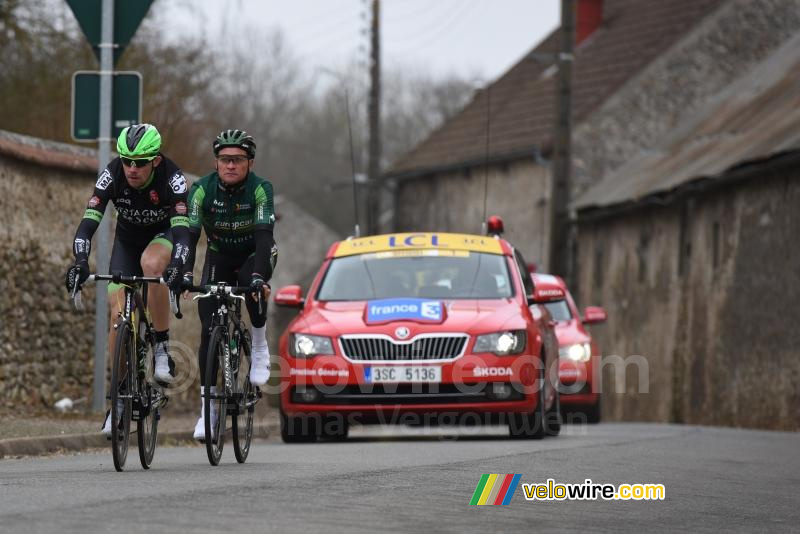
(215, 269)
(154, 260)
(245, 273)
(260, 368)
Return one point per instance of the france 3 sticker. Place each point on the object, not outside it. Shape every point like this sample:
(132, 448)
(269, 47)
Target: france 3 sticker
(422, 310)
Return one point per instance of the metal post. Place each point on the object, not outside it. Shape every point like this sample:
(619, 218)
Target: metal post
(374, 187)
(102, 252)
(562, 153)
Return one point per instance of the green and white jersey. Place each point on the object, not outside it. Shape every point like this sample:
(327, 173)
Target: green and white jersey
(231, 216)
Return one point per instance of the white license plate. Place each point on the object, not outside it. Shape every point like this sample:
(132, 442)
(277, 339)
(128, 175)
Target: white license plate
(377, 374)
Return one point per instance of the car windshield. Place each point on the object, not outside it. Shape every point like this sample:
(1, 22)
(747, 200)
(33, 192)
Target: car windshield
(421, 274)
(559, 310)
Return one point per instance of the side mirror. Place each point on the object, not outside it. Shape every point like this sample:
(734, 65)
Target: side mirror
(290, 297)
(594, 314)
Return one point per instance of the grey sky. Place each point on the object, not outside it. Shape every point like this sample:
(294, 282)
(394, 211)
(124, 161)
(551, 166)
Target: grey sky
(471, 38)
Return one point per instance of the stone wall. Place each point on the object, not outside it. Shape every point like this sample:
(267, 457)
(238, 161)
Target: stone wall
(729, 42)
(453, 202)
(706, 292)
(45, 348)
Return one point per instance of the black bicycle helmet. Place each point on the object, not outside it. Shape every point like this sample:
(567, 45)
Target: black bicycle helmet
(235, 138)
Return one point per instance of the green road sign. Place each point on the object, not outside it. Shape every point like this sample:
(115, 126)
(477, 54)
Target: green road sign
(127, 103)
(128, 14)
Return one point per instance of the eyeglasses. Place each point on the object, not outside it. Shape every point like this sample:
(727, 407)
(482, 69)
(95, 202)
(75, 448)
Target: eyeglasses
(236, 160)
(128, 162)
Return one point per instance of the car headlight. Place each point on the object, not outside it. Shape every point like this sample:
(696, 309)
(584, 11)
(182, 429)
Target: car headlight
(579, 352)
(306, 345)
(501, 343)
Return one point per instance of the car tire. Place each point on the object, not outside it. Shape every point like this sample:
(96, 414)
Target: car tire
(530, 425)
(298, 429)
(593, 412)
(554, 418)
(335, 428)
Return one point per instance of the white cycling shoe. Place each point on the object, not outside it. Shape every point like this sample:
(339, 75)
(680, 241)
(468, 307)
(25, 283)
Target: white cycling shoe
(200, 427)
(164, 371)
(259, 371)
(107, 424)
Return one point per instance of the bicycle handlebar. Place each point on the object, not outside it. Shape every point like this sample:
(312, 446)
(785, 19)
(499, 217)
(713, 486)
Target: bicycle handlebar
(118, 278)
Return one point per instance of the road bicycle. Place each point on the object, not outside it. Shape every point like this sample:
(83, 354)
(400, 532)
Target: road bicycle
(227, 389)
(134, 393)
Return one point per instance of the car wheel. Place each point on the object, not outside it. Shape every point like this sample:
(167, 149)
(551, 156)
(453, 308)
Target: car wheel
(298, 429)
(553, 423)
(335, 428)
(532, 425)
(593, 412)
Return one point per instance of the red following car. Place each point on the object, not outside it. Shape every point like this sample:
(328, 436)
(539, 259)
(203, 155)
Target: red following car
(424, 328)
(579, 369)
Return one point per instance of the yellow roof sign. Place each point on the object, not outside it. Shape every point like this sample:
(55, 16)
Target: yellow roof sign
(418, 241)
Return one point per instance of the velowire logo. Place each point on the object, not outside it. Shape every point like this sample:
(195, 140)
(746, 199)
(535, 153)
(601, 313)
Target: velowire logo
(495, 489)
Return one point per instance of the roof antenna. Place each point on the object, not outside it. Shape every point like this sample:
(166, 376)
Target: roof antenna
(352, 159)
(486, 157)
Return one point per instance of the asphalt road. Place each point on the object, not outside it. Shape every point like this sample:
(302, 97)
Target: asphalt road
(408, 480)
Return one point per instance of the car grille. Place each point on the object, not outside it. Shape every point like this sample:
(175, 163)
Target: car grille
(374, 348)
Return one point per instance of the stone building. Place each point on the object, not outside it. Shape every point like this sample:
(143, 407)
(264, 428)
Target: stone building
(692, 247)
(46, 348)
(645, 77)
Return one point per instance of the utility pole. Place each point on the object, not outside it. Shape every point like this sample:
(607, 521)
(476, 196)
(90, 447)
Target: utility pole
(560, 247)
(374, 188)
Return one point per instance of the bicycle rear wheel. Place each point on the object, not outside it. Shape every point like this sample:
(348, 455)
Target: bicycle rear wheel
(242, 421)
(216, 402)
(147, 422)
(122, 387)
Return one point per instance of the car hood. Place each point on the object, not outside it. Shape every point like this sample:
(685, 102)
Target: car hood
(475, 316)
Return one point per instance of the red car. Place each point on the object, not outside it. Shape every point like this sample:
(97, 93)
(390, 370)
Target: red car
(419, 329)
(579, 357)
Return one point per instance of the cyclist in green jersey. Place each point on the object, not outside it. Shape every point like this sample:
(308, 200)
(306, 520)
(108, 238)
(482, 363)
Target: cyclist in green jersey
(235, 208)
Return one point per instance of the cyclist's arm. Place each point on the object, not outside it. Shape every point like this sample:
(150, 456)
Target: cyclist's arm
(179, 218)
(195, 224)
(95, 208)
(263, 233)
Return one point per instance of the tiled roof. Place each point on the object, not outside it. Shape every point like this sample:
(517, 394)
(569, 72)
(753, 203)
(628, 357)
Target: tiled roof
(754, 119)
(522, 101)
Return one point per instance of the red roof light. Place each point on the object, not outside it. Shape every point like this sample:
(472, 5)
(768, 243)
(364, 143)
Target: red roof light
(494, 225)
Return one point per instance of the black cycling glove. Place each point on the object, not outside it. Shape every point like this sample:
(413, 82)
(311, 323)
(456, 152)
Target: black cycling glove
(173, 275)
(77, 275)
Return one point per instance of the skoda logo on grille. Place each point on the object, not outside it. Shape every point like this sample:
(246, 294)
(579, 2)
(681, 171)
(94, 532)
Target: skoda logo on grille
(401, 333)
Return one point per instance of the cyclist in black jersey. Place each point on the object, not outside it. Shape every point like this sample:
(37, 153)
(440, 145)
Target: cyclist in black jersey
(235, 208)
(150, 194)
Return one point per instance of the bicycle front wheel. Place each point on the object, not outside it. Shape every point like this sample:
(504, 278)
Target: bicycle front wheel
(246, 397)
(122, 388)
(147, 422)
(215, 395)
